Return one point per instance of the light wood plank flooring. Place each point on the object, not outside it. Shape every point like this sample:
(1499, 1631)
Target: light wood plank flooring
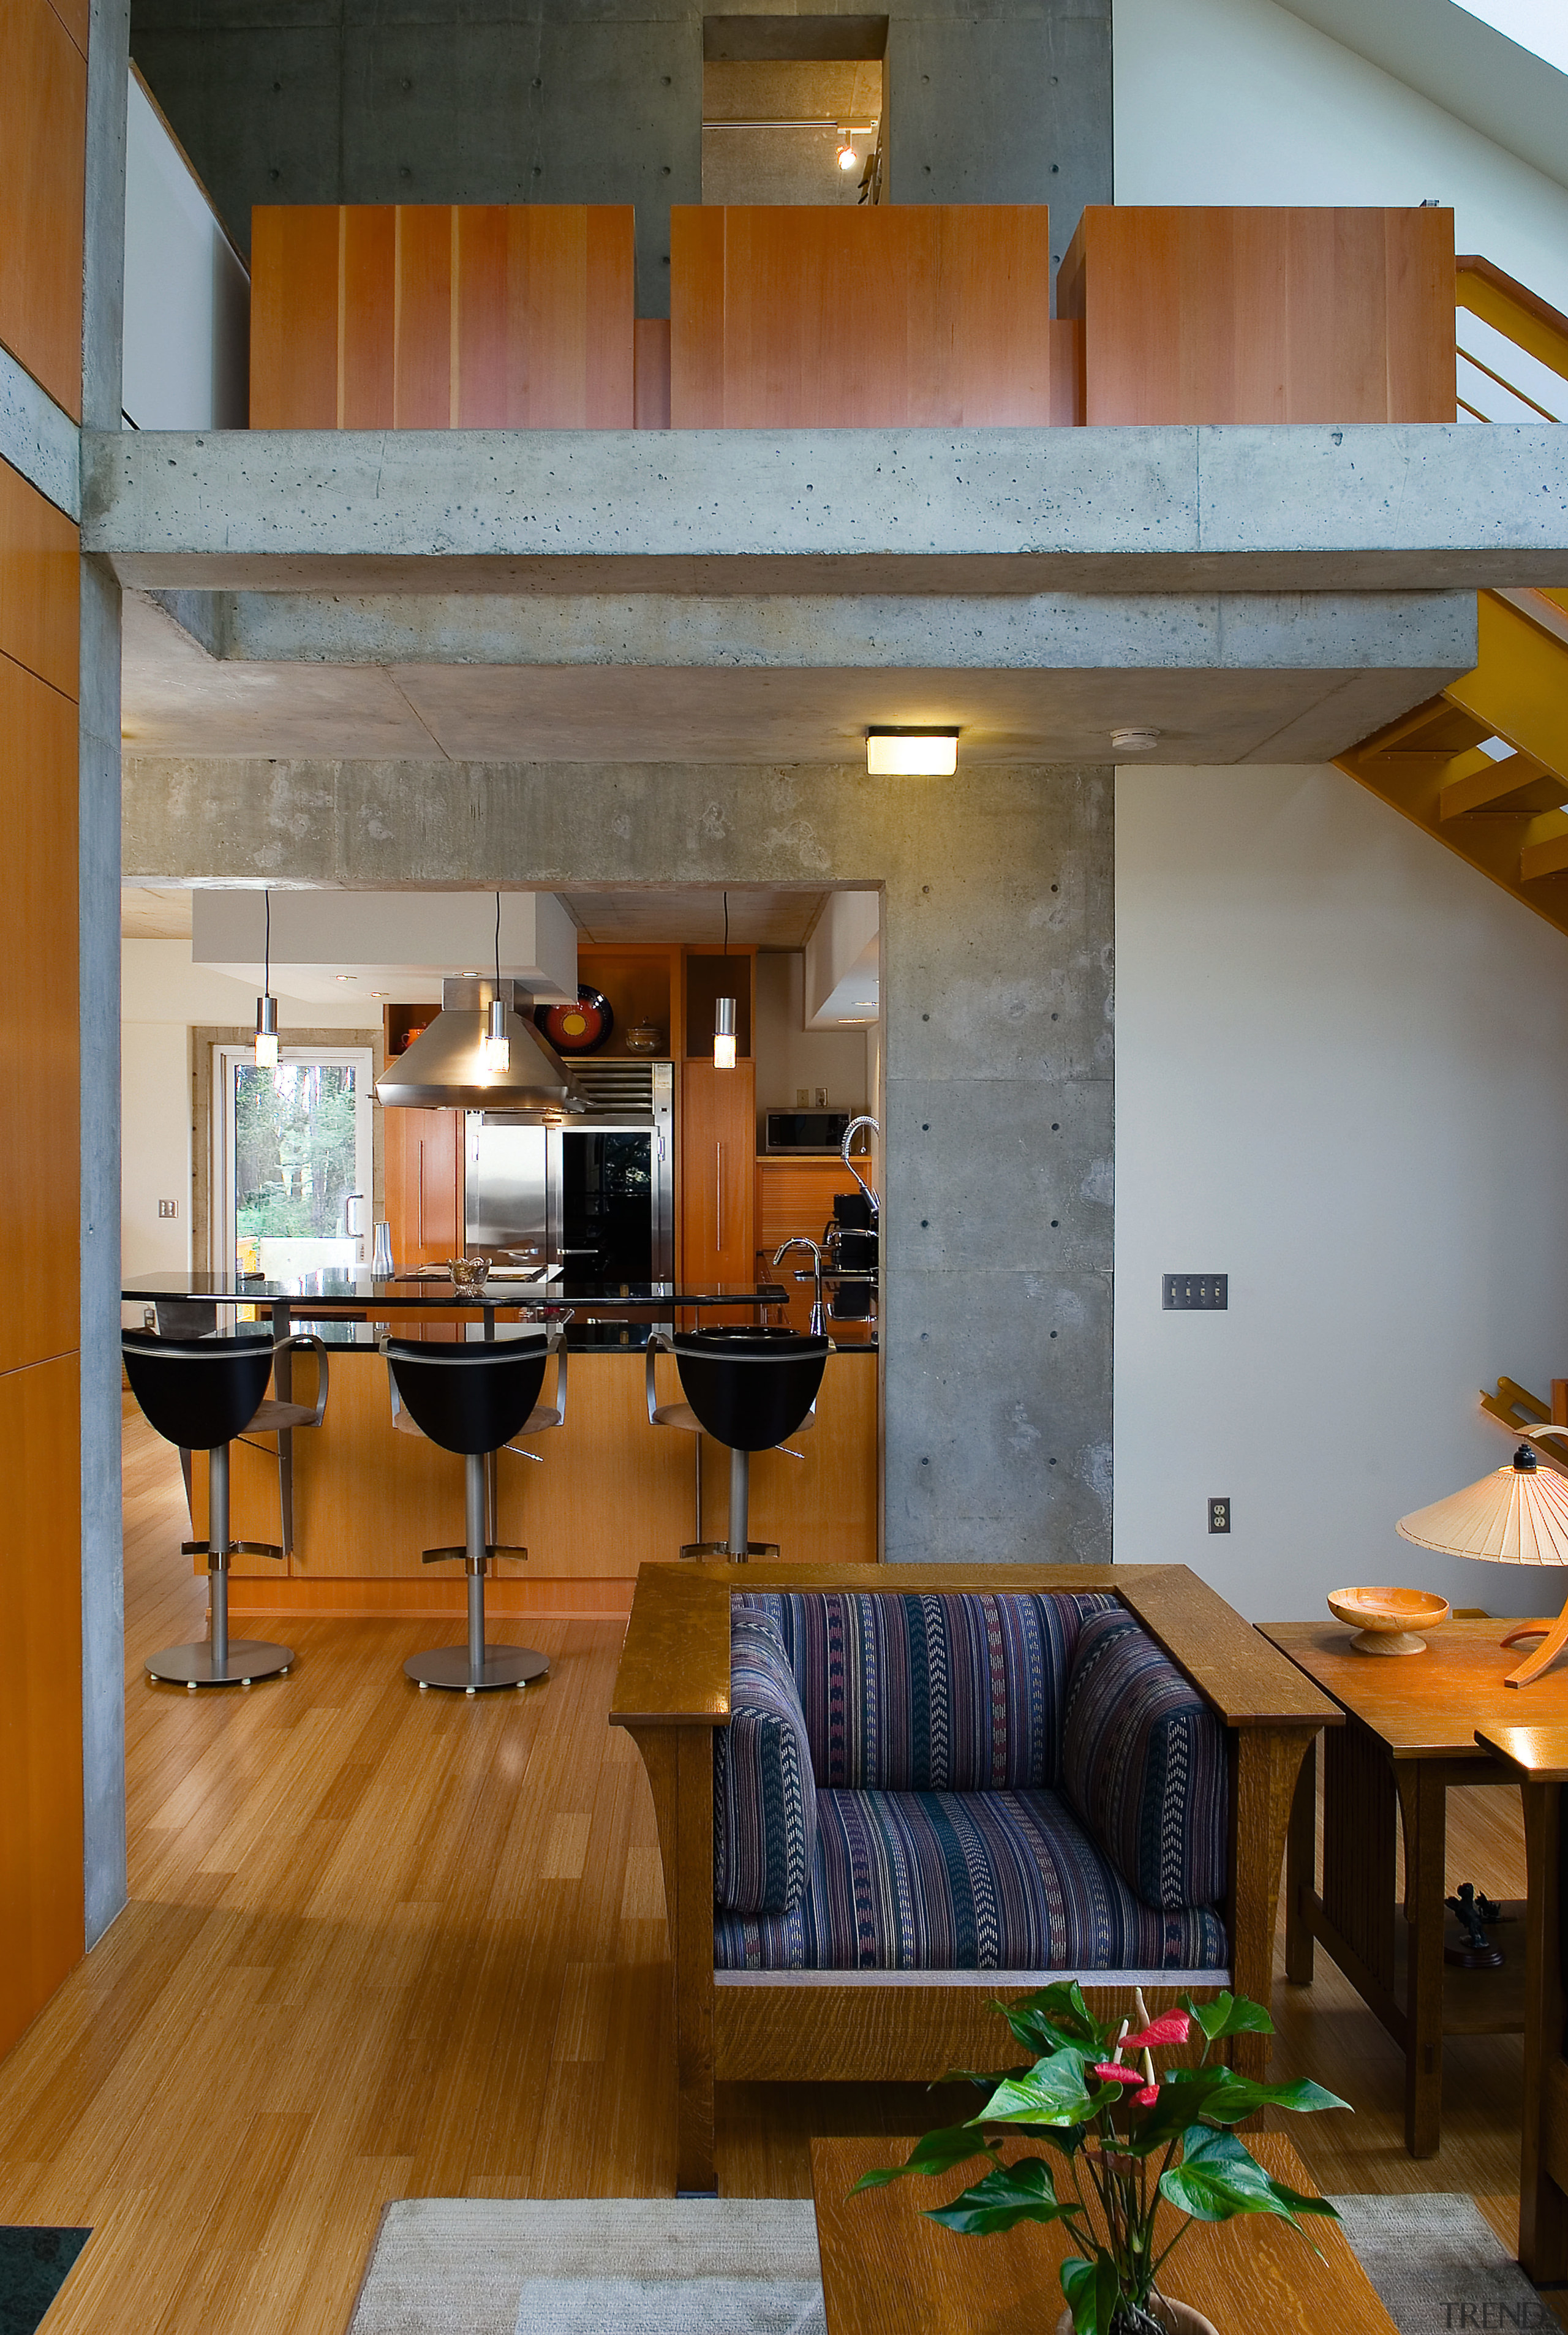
(383, 1944)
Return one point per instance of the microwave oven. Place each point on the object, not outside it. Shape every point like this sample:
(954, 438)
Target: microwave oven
(804, 1131)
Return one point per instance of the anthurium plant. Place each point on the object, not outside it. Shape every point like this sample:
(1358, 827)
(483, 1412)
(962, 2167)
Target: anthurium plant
(1125, 2137)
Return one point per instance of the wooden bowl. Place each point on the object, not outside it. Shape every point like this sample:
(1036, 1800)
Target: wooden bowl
(1382, 1617)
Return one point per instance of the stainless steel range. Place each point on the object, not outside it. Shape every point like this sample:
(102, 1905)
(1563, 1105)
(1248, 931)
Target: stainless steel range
(594, 1198)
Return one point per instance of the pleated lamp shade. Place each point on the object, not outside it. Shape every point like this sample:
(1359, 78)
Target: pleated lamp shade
(1517, 1516)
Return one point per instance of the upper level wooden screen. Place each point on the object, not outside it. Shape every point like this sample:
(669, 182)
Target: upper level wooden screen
(43, 147)
(436, 316)
(921, 315)
(1263, 316)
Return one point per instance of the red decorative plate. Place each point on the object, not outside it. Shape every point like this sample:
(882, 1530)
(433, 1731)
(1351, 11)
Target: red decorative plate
(578, 1029)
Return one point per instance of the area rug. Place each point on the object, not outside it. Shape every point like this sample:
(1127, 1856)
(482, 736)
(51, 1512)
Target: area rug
(749, 2266)
(33, 2263)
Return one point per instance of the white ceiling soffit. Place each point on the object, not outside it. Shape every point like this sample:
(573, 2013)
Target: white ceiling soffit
(324, 944)
(1478, 75)
(760, 916)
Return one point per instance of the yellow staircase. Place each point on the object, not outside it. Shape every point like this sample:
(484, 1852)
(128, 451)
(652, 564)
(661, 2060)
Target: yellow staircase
(1483, 766)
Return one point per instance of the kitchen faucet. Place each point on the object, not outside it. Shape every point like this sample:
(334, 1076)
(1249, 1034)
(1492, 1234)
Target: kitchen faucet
(818, 1328)
(850, 1132)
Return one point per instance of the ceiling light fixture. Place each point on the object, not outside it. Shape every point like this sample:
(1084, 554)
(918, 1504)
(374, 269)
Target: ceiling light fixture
(346, 976)
(1134, 741)
(267, 1003)
(911, 753)
(497, 1046)
(847, 157)
(725, 1012)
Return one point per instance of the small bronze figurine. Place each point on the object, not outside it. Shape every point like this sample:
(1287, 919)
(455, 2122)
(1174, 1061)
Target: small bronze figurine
(1476, 1950)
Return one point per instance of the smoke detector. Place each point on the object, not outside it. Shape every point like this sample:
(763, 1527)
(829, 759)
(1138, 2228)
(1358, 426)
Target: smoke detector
(1134, 741)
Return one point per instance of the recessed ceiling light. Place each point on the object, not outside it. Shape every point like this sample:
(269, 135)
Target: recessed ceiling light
(381, 993)
(1134, 741)
(346, 976)
(911, 753)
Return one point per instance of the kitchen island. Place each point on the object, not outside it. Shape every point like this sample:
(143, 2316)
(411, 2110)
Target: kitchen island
(608, 1492)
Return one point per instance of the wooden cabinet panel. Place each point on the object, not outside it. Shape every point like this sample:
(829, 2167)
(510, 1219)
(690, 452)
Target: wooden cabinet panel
(428, 317)
(422, 1154)
(40, 1231)
(41, 1913)
(1207, 316)
(294, 319)
(800, 317)
(796, 1196)
(39, 575)
(718, 1148)
(43, 146)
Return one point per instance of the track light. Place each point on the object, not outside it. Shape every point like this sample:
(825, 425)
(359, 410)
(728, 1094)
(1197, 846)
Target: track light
(849, 159)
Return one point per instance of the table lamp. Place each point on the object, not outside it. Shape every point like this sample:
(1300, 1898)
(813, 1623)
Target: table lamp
(1517, 1516)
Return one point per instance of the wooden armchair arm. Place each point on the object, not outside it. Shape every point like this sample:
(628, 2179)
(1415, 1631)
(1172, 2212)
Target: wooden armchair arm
(1249, 1682)
(674, 1665)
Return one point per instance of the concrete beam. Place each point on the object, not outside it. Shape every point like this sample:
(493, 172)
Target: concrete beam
(1239, 508)
(877, 632)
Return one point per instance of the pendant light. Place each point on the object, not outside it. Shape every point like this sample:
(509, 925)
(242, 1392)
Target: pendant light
(267, 1003)
(725, 1012)
(497, 1047)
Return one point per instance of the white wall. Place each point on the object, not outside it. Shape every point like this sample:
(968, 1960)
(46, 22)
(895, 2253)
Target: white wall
(788, 1055)
(1239, 101)
(1342, 1079)
(187, 294)
(155, 1102)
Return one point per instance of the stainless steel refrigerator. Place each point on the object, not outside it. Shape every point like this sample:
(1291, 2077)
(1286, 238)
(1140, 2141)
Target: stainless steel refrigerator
(594, 1198)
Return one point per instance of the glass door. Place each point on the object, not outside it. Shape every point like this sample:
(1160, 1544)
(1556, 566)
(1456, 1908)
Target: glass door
(291, 1161)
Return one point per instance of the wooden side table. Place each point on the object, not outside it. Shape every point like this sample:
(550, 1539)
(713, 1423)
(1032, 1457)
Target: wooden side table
(1410, 1732)
(1538, 1758)
(887, 2271)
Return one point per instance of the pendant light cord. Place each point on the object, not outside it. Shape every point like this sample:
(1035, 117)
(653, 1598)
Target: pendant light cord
(497, 944)
(726, 934)
(267, 944)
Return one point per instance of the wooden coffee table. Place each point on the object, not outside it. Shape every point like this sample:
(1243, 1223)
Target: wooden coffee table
(887, 2271)
(1410, 1733)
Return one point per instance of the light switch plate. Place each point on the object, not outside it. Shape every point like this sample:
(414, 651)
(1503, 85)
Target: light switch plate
(1196, 1293)
(168, 1208)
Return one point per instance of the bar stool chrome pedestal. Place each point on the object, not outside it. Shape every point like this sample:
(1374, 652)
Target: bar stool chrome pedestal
(750, 1389)
(472, 1399)
(199, 1393)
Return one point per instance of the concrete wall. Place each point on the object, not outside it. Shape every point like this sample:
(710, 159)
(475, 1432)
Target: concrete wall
(1342, 1079)
(187, 297)
(346, 103)
(997, 1069)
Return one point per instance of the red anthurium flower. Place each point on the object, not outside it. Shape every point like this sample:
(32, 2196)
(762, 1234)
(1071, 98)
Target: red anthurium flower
(1147, 2097)
(1170, 2026)
(1110, 2073)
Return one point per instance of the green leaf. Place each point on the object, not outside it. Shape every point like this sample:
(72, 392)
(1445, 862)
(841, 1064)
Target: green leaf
(1218, 2179)
(1090, 2290)
(937, 2152)
(1040, 2019)
(1010, 2193)
(1183, 2097)
(1229, 2014)
(1052, 2093)
(1236, 2097)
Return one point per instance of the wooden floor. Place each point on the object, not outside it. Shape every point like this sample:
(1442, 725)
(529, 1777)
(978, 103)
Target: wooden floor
(382, 1943)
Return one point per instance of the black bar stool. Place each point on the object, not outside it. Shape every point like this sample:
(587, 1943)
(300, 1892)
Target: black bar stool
(750, 1389)
(472, 1399)
(199, 1393)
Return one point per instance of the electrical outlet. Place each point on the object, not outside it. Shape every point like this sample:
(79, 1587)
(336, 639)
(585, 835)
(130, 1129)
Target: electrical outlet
(803, 1098)
(1196, 1293)
(819, 1098)
(1220, 1516)
(169, 1208)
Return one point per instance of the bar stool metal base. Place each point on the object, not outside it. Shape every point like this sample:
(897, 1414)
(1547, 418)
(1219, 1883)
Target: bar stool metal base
(698, 1549)
(448, 1667)
(200, 1665)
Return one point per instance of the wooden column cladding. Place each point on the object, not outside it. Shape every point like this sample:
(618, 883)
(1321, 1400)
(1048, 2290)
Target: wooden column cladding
(438, 316)
(43, 126)
(924, 315)
(1263, 315)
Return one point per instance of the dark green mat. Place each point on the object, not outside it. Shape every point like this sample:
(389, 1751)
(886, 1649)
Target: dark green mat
(33, 2267)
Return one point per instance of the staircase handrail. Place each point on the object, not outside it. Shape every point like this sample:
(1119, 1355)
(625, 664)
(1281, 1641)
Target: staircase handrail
(1512, 309)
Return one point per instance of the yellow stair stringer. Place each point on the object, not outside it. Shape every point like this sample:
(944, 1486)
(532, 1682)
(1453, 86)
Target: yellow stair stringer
(1502, 813)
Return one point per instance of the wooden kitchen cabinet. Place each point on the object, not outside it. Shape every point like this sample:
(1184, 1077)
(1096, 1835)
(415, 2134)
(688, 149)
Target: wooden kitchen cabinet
(718, 1151)
(423, 1153)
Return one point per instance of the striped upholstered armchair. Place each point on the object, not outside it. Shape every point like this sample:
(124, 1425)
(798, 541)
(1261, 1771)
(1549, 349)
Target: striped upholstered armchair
(924, 1791)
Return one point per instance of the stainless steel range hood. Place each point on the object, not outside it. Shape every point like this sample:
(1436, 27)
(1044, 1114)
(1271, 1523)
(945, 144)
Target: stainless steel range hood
(445, 1068)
